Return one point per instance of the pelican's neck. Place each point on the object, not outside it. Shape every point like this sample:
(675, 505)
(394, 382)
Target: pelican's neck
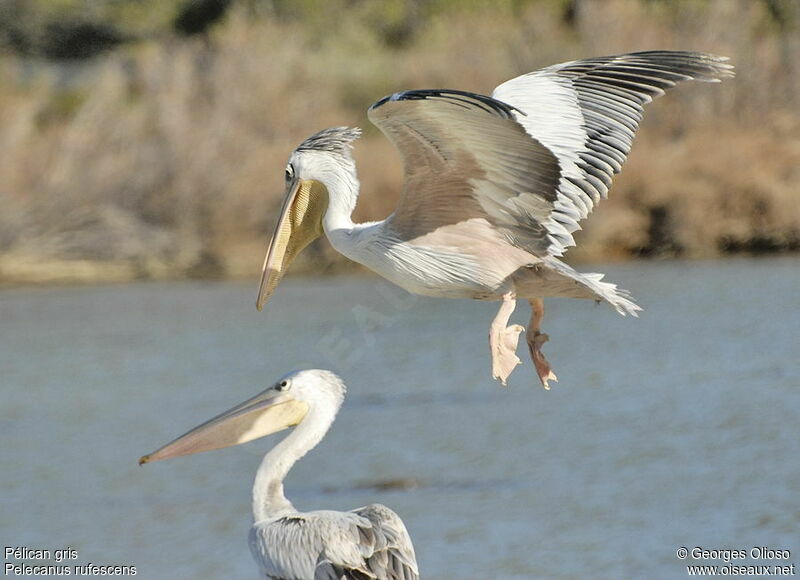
(268, 498)
(343, 188)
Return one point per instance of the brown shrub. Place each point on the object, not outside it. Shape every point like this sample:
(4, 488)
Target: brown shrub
(166, 158)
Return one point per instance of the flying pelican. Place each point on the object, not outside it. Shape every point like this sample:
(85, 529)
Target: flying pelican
(494, 187)
(368, 542)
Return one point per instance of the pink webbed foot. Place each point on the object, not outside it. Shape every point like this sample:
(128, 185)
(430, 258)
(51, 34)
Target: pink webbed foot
(536, 339)
(503, 343)
(503, 340)
(543, 368)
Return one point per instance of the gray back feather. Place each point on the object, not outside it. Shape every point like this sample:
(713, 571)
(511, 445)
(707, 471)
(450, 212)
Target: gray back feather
(368, 543)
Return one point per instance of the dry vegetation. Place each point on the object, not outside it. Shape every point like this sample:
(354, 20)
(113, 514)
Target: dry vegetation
(164, 157)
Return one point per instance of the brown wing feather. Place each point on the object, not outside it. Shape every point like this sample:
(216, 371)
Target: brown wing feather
(466, 158)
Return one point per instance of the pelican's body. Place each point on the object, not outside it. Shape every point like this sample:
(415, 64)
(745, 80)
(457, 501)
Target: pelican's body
(369, 542)
(494, 187)
(467, 260)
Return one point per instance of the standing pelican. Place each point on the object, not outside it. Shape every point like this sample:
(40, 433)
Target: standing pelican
(494, 187)
(367, 543)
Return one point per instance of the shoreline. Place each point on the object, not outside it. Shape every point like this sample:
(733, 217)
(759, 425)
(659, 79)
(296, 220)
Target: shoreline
(16, 274)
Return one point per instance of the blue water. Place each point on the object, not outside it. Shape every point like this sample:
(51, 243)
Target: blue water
(680, 428)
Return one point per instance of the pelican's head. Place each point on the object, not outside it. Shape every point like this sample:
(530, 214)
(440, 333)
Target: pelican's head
(322, 158)
(284, 404)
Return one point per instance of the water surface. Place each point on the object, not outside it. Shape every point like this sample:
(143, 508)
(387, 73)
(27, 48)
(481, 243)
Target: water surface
(680, 428)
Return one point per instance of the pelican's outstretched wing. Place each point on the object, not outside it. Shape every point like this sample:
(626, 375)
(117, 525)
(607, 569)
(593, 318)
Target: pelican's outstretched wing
(367, 543)
(534, 158)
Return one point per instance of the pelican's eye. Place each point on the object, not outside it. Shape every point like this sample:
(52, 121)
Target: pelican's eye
(289, 173)
(283, 385)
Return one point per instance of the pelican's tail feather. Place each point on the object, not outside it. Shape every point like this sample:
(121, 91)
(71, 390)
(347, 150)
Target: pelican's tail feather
(619, 298)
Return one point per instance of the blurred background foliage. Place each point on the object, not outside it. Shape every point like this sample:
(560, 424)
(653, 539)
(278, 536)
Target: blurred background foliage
(147, 138)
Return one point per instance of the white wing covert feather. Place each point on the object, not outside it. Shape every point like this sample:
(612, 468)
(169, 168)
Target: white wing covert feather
(464, 157)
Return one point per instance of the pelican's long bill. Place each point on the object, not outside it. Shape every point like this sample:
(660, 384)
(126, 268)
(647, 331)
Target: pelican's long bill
(299, 224)
(264, 414)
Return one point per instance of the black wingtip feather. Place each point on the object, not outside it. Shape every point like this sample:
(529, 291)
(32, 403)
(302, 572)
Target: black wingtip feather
(461, 98)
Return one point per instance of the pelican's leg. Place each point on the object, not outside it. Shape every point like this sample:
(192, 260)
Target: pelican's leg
(503, 340)
(536, 339)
